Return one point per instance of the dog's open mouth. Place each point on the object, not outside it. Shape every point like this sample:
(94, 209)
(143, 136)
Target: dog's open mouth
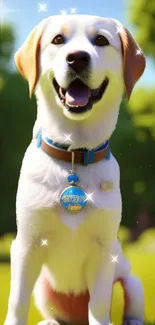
(79, 98)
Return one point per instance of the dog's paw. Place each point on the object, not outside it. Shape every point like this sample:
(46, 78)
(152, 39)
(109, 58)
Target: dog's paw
(131, 321)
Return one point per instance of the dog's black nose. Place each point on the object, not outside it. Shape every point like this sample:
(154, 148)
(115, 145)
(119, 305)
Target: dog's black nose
(78, 60)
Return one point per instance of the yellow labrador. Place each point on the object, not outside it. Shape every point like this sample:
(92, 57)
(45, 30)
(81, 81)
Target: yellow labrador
(66, 246)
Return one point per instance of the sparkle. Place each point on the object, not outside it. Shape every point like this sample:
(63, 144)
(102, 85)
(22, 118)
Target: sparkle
(89, 197)
(42, 7)
(138, 52)
(4, 11)
(73, 10)
(114, 259)
(44, 242)
(68, 137)
(119, 29)
(63, 12)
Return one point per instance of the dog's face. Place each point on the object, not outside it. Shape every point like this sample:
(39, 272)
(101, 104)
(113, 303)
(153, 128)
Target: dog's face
(81, 64)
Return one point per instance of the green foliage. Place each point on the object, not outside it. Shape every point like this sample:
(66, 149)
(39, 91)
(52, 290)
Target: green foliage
(18, 114)
(142, 109)
(7, 39)
(2, 83)
(136, 159)
(142, 15)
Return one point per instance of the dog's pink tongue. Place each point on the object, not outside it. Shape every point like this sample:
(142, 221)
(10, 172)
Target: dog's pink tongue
(77, 94)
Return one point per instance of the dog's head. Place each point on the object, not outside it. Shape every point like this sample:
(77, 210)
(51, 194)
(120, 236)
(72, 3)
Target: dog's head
(81, 64)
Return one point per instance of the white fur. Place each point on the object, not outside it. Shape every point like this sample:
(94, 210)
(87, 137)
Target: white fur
(90, 237)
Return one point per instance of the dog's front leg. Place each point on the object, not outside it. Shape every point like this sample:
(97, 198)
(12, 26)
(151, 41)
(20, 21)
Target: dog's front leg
(100, 287)
(26, 263)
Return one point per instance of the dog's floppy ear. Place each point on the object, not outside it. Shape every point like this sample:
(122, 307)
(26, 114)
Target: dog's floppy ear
(27, 57)
(133, 59)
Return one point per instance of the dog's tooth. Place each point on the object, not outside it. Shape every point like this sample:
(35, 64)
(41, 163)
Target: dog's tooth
(61, 93)
(72, 105)
(69, 105)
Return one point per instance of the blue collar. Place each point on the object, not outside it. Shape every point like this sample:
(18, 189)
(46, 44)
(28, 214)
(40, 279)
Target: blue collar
(88, 154)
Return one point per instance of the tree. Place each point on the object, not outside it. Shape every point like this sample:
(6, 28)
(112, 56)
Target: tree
(6, 46)
(141, 109)
(17, 118)
(142, 16)
(133, 148)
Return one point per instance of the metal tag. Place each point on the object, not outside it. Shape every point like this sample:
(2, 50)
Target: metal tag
(73, 199)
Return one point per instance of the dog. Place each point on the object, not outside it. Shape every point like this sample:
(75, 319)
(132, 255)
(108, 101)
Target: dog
(66, 250)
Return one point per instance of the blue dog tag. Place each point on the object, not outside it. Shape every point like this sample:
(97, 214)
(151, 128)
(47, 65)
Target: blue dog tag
(73, 199)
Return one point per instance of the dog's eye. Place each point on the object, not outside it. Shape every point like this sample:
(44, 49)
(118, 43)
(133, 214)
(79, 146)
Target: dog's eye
(59, 39)
(101, 40)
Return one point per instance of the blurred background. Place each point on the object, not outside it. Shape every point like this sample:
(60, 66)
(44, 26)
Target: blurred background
(133, 142)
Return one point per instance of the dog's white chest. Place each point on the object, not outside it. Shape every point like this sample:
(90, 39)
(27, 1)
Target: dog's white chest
(68, 250)
(43, 179)
(72, 239)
